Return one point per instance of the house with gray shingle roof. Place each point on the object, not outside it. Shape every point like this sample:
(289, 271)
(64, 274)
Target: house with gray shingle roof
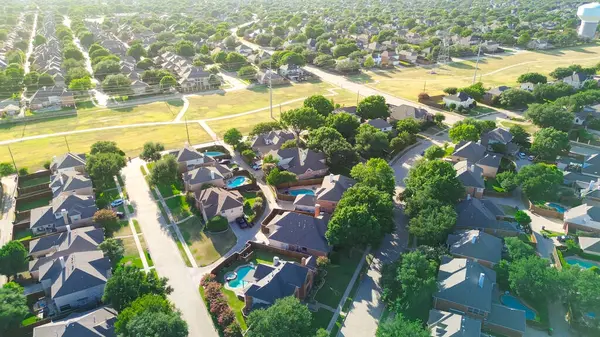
(65, 210)
(189, 158)
(583, 217)
(305, 163)
(471, 176)
(299, 232)
(483, 214)
(477, 153)
(68, 162)
(76, 240)
(589, 245)
(404, 111)
(270, 283)
(71, 182)
(271, 141)
(476, 245)
(380, 124)
(499, 136)
(575, 80)
(95, 323)
(448, 324)
(304, 203)
(493, 93)
(331, 191)
(204, 175)
(215, 201)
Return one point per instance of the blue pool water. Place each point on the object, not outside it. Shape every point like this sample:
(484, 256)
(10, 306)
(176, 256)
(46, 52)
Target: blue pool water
(557, 207)
(302, 191)
(213, 153)
(585, 264)
(238, 282)
(515, 303)
(236, 182)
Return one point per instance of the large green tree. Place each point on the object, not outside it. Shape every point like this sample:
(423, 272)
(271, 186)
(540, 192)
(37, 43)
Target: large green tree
(534, 78)
(433, 224)
(549, 143)
(13, 308)
(353, 226)
(232, 136)
(437, 175)
(466, 132)
(286, 318)
(151, 151)
(518, 249)
(129, 283)
(108, 219)
(376, 172)
(371, 142)
(113, 248)
(550, 115)
(401, 327)
(373, 107)
(344, 123)
(102, 167)
(165, 171)
(540, 181)
(323, 105)
(302, 119)
(136, 51)
(533, 278)
(13, 258)
(152, 323)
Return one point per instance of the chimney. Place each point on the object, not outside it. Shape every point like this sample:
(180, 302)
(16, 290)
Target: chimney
(481, 279)
(303, 262)
(65, 216)
(212, 175)
(469, 196)
(317, 210)
(472, 168)
(62, 182)
(331, 178)
(62, 262)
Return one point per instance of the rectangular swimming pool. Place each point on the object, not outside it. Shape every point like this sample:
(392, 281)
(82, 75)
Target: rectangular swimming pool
(585, 264)
(515, 303)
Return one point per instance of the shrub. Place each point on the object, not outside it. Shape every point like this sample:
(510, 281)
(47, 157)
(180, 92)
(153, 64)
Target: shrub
(206, 279)
(226, 317)
(212, 290)
(233, 330)
(217, 224)
(47, 164)
(218, 305)
(322, 262)
(23, 171)
(452, 106)
(423, 96)
(451, 90)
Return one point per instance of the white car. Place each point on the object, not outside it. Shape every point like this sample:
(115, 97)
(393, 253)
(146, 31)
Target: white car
(522, 155)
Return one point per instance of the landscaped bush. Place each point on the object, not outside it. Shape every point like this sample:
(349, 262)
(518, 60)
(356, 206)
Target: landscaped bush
(233, 330)
(217, 224)
(212, 290)
(208, 278)
(218, 306)
(219, 309)
(226, 317)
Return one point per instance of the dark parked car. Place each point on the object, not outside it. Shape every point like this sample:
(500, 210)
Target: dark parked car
(121, 215)
(242, 222)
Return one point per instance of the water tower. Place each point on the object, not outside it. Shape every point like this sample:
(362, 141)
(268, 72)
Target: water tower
(589, 15)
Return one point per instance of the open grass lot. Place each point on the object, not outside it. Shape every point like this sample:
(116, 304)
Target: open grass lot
(33, 153)
(529, 128)
(236, 306)
(206, 247)
(131, 255)
(95, 118)
(246, 122)
(179, 207)
(125, 229)
(494, 70)
(218, 105)
(338, 276)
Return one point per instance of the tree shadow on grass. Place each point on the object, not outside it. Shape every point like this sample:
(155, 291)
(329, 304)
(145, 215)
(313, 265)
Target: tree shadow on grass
(460, 65)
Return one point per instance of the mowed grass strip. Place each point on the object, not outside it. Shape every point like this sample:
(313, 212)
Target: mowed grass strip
(206, 247)
(33, 153)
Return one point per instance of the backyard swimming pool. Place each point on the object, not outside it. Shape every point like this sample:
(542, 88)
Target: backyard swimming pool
(557, 207)
(515, 303)
(302, 191)
(213, 153)
(239, 282)
(585, 264)
(236, 182)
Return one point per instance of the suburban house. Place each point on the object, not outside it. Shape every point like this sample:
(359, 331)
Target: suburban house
(471, 177)
(494, 93)
(270, 283)
(539, 44)
(194, 79)
(304, 203)
(449, 324)
(380, 124)
(351, 110)
(476, 153)
(54, 98)
(331, 191)
(98, 323)
(244, 50)
(188, 158)
(68, 162)
(204, 175)
(408, 56)
(75, 280)
(591, 166)
(501, 137)
(217, 201)
(590, 245)
(72, 182)
(9, 110)
(292, 72)
(460, 99)
(65, 210)
(490, 46)
(269, 76)
(575, 80)
(483, 215)
(305, 163)
(404, 111)
(76, 240)
(476, 245)
(527, 86)
(583, 217)
(466, 287)
(389, 58)
(299, 232)
(271, 141)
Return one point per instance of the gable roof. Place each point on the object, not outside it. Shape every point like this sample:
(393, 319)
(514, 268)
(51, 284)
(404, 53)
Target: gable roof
(216, 200)
(403, 111)
(333, 187)
(481, 213)
(299, 161)
(68, 181)
(475, 244)
(68, 160)
(275, 137)
(202, 174)
(491, 160)
(506, 317)
(471, 151)
(469, 174)
(305, 200)
(589, 244)
(448, 324)
(466, 282)
(497, 90)
(188, 153)
(575, 77)
(301, 230)
(282, 281)
(584, 215)
(379, 123)
(79, 239)
(499, 135)
(95, 323)
(459, 97)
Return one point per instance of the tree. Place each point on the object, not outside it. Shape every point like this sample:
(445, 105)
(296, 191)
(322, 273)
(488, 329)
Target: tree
(145, 64)
(13, 258)
(522, 218)
(105, 68)
(321, 104)
(277, 177)
(551, 92)
(346, 124)
(151, 323)
(373, 107)
(286, 318)
(81, 84)
(137, 51)
(438, 178)
(451, 90)
(38, 40)
(45, 80)
(151, 151)
(369, 62)
(113, 248)
(288, 144)
(516, 97)
(108, 219)
(149, 302)
(102, 167)
(292, 58)
(534, 78)
(433, 224)
(518, 249)
(550, 115)
(371, 142)
(524, 39)
(220, 57)
(324, 61)
(464, 132)
(129, 283)
(540, 181)
(7, 169)
(520, 136)
(581, 288)
(476, 91)
(302, 119)
(401, 141)
(168, 82)
(13, 308)
(532, 278)
(347, 66)
(185, 48)
(548, 143)
(376, 172)
(232, 137)
(264, 127)
(507, 180)
(247, 72)
(353, 226)
(234, 61)
(230, 42)
(249, 155)
(401, 327)
(105, 146)
(409, 125)
(165, 171)
(319, 138)
(434, 152)
(72, 52)
(118, 84)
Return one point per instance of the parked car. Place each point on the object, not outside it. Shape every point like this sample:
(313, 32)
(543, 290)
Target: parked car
(241, 222)
(121, 215)
(522, 155)
(257, 166)
(530, 158)
(117, 203)
(225, 161)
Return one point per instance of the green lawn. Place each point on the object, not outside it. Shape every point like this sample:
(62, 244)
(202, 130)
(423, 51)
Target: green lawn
(29, 319)
(337, 278)
(508, 210)
(179, 207)
(249, 197)
(170, 190)
(321, 318)
(34, 181)
(23, 235)
(236, 305)
(137, 226)
(132, 255)
(529, 128)
(180, 248)
(24, 206)
(492, 184)
(205, 247)
(125, 229)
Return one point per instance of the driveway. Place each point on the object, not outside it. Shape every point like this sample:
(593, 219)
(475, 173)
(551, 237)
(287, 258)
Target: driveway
(8, 208)
(166, 257)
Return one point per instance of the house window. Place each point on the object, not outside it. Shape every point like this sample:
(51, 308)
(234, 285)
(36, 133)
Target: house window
(476, 311)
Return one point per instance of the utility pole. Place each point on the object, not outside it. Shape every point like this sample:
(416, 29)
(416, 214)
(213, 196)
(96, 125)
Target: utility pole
(187, 132)
(13, 159)
(357, 97)
(271, 88)
(477, 63)
(66, 142)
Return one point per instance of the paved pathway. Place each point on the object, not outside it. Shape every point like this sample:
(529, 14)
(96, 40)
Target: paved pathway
(8, 208)
(165, 254)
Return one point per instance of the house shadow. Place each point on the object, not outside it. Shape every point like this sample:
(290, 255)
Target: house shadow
(460, 65)
(554, 52)
(361, 78)
(175, 102)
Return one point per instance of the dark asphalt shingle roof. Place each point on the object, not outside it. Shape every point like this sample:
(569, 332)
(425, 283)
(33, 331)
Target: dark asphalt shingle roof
(95, 323)
(301, 230)
(469, 174)
(471, 151)
(215, 200)
(379, 123)
(510, 318)
(481, 213)
(201, 175)
(448, 324)
(280, 283)
(299, 161)
(68, 160)
(333, 187)
(476, 244)
(69, 181)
